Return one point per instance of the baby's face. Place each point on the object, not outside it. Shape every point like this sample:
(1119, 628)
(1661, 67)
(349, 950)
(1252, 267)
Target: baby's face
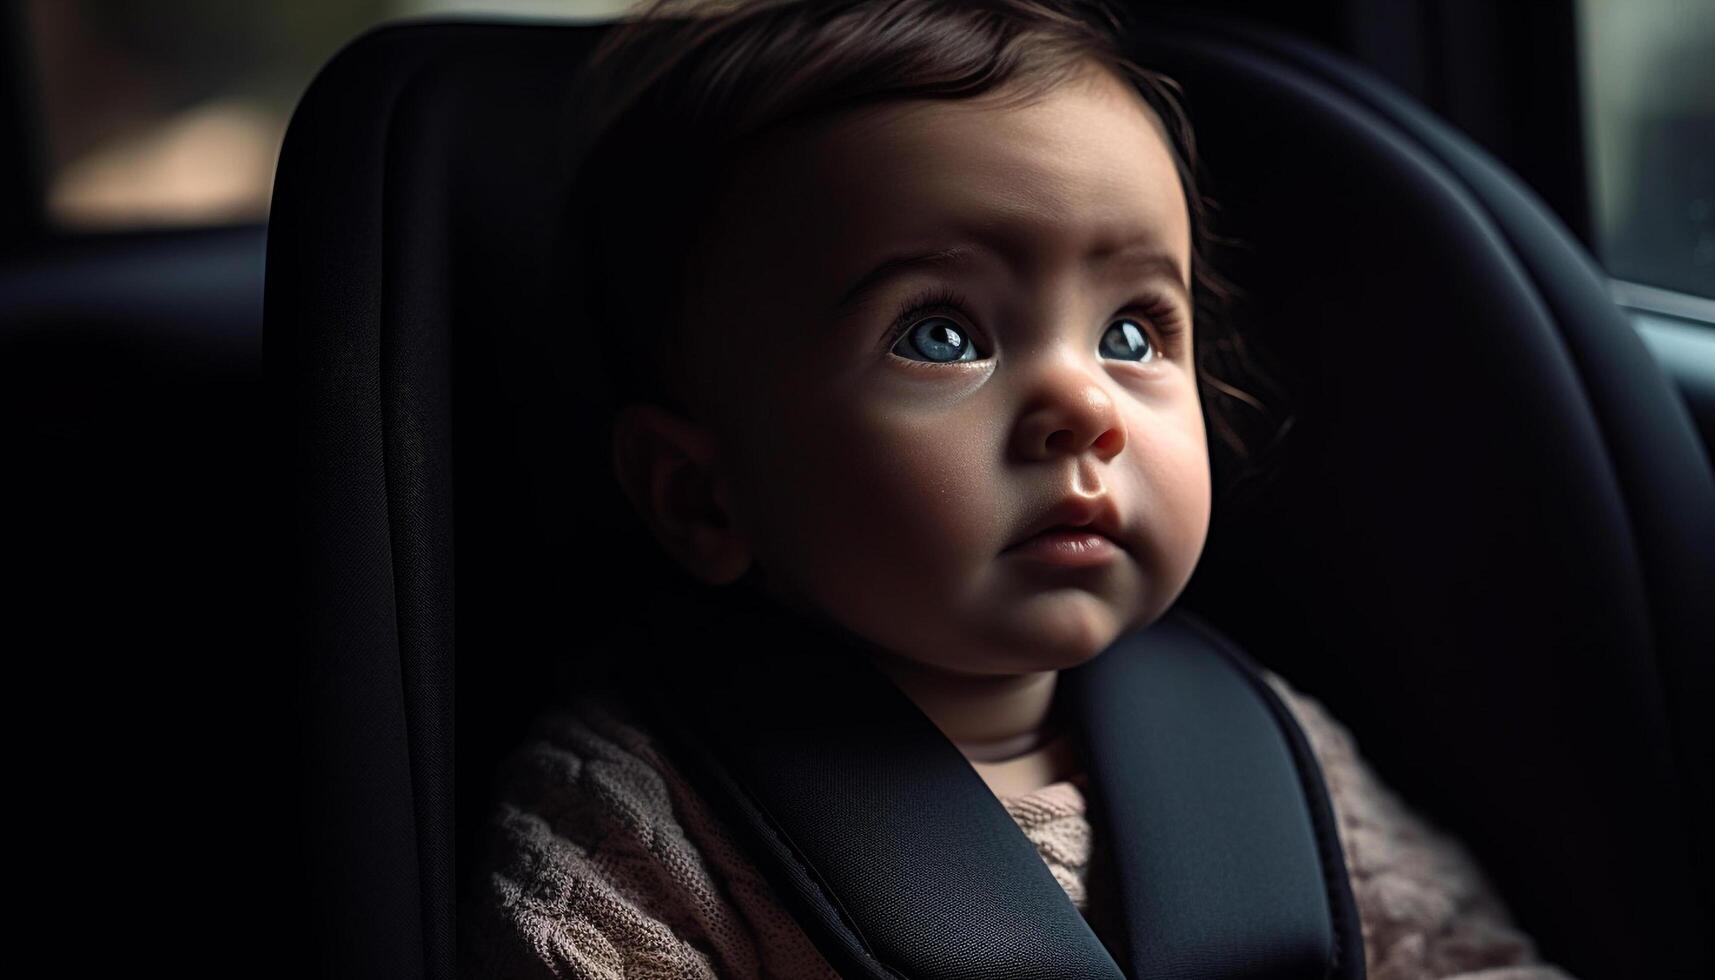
(883, 480)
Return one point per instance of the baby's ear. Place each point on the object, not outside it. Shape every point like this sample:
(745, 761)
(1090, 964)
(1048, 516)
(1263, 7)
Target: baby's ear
(667, 467)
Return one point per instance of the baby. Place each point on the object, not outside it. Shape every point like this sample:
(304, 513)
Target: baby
(905, 332)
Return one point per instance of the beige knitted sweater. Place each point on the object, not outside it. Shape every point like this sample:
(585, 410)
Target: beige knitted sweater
(601, 863)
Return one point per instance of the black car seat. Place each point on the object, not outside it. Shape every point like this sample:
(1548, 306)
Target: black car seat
(1489, 551)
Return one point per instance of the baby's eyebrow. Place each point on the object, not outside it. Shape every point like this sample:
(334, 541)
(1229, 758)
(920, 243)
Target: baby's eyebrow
(1136, 258)
(1146, 260)
(895, 266)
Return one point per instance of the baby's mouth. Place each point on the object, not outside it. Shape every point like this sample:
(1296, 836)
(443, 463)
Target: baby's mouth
(1075, 547)
(1075, 523)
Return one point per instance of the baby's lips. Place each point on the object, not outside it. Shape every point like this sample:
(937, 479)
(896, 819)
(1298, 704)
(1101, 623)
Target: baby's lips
(1099, 514)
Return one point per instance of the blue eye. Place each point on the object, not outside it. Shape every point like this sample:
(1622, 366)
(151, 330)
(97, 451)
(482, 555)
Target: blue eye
(1127, 340)
(938, 339)
(925, 333)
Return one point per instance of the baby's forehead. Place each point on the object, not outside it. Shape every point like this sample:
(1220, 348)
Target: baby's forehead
(1072, 168)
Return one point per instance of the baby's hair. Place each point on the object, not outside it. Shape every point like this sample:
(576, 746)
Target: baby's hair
(678, 89)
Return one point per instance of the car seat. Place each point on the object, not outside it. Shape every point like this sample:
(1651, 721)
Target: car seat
(1489, 548)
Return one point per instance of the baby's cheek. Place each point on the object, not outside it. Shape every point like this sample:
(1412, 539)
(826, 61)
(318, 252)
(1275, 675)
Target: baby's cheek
(923, 492)
(904, 514)
(1176, 518)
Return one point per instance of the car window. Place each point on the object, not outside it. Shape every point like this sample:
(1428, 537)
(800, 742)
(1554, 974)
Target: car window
(170, 114)
(1648, 82)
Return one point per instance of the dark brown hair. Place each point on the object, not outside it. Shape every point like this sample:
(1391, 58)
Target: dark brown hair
(680, 87)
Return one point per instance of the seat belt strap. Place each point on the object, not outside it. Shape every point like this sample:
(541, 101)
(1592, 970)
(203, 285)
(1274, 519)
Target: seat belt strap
(898, 860)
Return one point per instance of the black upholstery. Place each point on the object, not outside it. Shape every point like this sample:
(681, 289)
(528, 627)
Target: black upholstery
(1504, 510)
(1486, 553)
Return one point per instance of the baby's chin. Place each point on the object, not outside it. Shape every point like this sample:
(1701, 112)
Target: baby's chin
(986, 631)
(1049, 631)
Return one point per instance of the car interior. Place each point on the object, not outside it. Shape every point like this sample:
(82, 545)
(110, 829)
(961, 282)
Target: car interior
(247, 457)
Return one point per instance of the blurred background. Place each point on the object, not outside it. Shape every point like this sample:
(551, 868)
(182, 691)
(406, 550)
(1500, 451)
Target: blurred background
(156, 114)
(172, 113)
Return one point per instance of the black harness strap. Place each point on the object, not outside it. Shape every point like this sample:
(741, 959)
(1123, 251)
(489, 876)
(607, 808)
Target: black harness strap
(1223, 836)
(900, 863)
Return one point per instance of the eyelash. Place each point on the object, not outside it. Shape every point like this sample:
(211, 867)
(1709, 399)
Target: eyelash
(1156, 311)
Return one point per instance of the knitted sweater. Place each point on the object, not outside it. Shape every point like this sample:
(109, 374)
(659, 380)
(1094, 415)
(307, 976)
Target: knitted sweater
(600, 862)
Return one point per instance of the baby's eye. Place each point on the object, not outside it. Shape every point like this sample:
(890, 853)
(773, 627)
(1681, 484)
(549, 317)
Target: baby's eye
(927, 332)
(938, 339)
(1126, 339)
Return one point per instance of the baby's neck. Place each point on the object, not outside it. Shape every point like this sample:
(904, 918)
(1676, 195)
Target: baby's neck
(990, 718)
(1024, 763)
(1052, 761)
(1006, 726)
(1003, 749)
